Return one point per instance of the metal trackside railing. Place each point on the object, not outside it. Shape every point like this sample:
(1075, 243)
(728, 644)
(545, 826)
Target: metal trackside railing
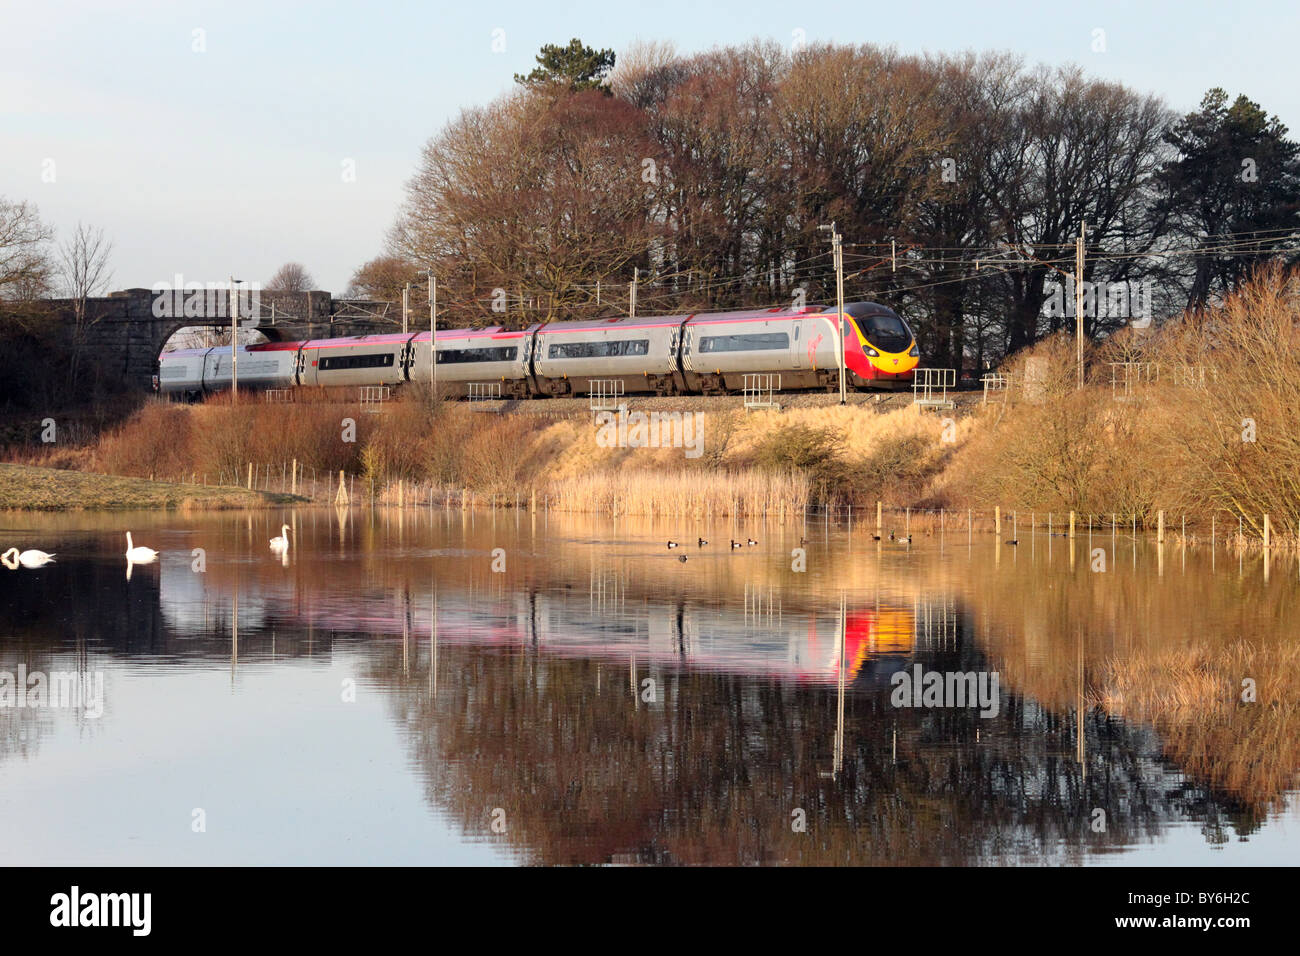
(605, 394)
(373, 397)
(1125, 377)
(480, 393)
(760, 388)
(1192, 376)
(277, 396)
(996, 385)
(930, 387)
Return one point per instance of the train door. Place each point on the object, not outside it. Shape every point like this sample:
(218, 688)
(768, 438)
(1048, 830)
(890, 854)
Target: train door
(796, 345)
(678, 345)
(211, 370)
(406, 360)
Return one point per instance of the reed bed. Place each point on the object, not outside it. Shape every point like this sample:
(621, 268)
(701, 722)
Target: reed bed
(685, 493)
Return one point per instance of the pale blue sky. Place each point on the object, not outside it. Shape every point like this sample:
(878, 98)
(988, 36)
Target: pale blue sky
(230, 160)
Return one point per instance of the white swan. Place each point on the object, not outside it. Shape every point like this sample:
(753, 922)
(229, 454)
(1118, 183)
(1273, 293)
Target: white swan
(28, 559)
(281, 542)
(140, 555)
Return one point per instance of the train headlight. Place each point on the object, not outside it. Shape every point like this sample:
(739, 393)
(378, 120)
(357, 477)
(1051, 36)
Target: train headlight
(915, 353)
(872, 352)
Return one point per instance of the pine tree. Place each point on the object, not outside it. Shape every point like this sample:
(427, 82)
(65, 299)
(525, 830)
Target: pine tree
(577, 66)
(1236, 180)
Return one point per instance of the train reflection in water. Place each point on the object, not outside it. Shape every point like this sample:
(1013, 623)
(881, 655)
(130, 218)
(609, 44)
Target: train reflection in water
(762, 637)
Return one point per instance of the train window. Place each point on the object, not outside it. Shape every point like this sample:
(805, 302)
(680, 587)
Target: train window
(499, 354)
(573, 350)
(745, 343)
(335, 363)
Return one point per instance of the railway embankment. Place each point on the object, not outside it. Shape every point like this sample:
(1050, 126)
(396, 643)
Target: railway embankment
(1191, 423)
(652, 455)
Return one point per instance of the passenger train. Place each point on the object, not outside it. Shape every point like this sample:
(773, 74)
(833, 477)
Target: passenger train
(702, 353)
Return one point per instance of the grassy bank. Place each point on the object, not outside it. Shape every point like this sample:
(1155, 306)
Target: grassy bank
(724, 462)
(27, 488)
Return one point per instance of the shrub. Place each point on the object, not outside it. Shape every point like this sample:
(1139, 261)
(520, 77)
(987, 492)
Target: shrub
(154, 441)
(808, 450)
(395, 447)
(494, 459)
(895, 471)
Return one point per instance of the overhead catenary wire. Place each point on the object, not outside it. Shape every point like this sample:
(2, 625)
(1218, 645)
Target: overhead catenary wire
(974, 263)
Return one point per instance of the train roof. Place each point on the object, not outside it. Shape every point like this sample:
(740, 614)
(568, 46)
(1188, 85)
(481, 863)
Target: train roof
(755, 315)
(862, 309)
(616, 321)
(493, 331)
(223, 349)
(387, 338)
(856, 309)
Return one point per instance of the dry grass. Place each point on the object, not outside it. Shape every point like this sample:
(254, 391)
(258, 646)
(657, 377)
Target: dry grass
(66, 457)
(836, 455)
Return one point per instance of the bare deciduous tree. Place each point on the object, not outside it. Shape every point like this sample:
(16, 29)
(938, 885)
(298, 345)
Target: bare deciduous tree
(291, 277)
(382, 279)
(84, 272)
(25, 267)
(645, 71)
(523, 205)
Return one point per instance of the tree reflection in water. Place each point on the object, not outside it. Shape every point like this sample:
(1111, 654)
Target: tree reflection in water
(539, 708)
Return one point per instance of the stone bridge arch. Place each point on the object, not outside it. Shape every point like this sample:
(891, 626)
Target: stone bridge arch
(126, 337)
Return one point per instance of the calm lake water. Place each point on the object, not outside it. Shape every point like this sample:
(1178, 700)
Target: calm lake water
(398, 691)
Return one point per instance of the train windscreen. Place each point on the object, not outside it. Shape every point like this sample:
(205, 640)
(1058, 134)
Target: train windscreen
(886, 332)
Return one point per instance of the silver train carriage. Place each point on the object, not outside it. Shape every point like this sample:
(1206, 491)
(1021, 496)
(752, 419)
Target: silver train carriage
(354, 360)
(195, 372)
(673, 354)
(491, 356)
